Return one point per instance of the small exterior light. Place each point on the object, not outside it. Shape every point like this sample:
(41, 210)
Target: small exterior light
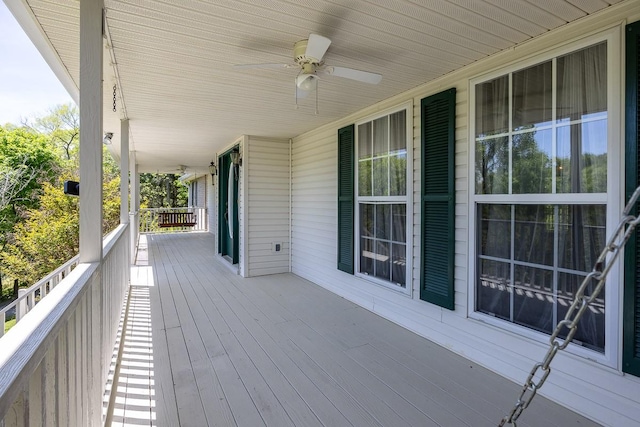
(107, 138)
(213, 171)
(235, 157)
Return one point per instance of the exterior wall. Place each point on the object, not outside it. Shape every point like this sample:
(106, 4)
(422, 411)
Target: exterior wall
(212, 204)
(600, 392)
(266, 172)
(198, 192)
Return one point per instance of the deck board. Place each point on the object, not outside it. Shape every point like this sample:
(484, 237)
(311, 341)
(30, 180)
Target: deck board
(279, 351)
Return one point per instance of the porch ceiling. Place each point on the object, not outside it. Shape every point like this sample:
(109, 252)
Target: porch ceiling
(185, 101)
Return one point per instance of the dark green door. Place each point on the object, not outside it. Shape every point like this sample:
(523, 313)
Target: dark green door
(228, 225)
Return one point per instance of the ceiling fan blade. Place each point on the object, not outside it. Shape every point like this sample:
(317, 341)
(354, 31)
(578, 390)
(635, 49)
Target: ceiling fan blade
(251, 66)
(350, 73)
(317, 46)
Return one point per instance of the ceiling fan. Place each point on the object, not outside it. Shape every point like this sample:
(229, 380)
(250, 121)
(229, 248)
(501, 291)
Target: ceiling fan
(308, 58)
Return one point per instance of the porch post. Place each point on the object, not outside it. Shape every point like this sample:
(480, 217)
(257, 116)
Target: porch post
(135, 203)
(91, 137)
(124, 171)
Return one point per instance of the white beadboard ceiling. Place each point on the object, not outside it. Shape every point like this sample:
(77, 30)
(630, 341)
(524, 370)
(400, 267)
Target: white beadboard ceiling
(185, 101)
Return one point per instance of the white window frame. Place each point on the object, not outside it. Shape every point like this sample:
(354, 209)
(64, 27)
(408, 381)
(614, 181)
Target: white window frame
(614, 198)
(408, 199)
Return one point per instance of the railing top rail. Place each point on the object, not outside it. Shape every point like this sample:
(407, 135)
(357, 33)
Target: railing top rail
(111, 238)
(171, 209)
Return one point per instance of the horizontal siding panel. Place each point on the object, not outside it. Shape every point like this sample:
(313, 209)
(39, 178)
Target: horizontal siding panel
(268, 200)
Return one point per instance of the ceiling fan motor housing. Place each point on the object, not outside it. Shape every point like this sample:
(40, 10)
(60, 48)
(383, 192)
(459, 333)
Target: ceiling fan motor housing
(299, 51)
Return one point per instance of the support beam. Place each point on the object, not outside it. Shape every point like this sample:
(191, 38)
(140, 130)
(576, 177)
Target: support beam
(124, 171)
(91, 135)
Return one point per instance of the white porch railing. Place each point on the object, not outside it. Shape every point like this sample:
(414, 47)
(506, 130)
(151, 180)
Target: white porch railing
(29, 297)
(55, 362)
(150, 220)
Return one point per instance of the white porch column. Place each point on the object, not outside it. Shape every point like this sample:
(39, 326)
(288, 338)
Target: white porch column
(91, 137)
(124, 171)
(134, 215)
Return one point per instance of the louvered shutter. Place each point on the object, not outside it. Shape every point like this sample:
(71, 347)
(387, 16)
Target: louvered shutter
(346, 165)
(438, 198)
(631, 322)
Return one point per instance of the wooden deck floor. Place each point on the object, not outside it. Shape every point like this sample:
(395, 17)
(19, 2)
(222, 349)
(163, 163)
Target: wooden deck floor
(210, 348)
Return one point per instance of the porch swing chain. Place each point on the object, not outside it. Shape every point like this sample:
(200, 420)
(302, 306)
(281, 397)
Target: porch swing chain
(580, 304)
(114, 98)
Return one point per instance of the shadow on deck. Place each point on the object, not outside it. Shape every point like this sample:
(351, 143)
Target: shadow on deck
(207, 347)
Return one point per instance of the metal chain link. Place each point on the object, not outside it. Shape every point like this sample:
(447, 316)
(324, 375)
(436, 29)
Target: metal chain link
(580, 304)
(114, 98)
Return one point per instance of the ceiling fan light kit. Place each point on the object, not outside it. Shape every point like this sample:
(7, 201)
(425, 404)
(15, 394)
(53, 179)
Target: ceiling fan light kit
(308, 58)
(306, 81)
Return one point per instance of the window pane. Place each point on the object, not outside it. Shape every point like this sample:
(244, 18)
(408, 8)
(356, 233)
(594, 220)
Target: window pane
(532, 97)
(582, 158)
(492, 166)
(364, 177)
(533, 302)
(398, 131)
(492, 107)
(364, 141)
(532, 162)
(582, 83)
(495, 226)
(581, 235)
(381, 136)
(399, 224)
(366, 220)
(399, 264)
(366, 256)
(381, 177)
(398, 171)
(533, 239)
(591, 326)
(383, 222)
(494, 288)
(383, 260)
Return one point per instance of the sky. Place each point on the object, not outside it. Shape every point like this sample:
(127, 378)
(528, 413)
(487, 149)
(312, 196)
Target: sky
(28, 87)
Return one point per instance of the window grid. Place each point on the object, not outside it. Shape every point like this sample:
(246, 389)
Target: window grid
(373, 198)
(483, 197)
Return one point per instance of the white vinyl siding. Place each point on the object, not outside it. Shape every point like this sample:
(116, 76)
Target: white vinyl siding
(266, 171)
(589, 388)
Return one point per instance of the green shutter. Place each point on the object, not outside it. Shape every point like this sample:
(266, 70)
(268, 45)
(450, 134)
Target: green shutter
(631, 306)
(346, 166)
(438, 199)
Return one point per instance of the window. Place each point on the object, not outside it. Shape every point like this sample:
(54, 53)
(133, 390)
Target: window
(541, 160)
(381, 199)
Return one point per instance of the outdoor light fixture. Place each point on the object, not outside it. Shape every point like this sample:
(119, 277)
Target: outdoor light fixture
(107, 138)
(213, 171)
(235, 157)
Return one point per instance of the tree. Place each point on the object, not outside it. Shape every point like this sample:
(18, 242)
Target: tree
(49, 236)
(159, 190)
(46, 239)
(61, 126)
(26, 161)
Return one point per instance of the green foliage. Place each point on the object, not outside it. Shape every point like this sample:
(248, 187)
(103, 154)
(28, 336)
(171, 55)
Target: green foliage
(26, 160)
(47, 238)
(9, 324)
(43, 232)
(61, 126)
(159, 190)
(50, 234)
